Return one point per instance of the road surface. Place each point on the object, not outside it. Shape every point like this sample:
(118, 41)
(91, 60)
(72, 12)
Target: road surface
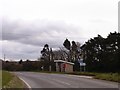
(45, 80)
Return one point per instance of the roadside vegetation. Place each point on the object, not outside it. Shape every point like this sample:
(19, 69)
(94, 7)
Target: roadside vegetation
(115, 77)
(0, 78)
(6, 78)
(103, 76)
(9, 80)
(108, 76)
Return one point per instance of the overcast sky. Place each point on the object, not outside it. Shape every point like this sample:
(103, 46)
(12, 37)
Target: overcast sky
(29, 24)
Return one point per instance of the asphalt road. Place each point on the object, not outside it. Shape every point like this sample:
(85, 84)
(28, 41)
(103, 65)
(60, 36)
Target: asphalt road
(45, 80)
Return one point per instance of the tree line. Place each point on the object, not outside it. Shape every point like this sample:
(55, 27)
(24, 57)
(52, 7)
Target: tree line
(100, 55)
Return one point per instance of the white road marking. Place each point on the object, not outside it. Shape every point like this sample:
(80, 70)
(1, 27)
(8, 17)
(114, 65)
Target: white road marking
(26, 83)
(81, 76)
(61, 82)
(20, 73)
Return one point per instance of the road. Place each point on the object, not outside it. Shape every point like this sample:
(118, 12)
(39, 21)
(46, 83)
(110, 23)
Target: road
(45, 80)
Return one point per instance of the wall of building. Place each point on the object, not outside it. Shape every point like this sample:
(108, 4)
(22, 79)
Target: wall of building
(69, 68)
(64, 67)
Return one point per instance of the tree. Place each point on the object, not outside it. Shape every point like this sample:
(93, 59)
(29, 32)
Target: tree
(27, 65)
(73, 50)
(21, 61)
(67, 44)
(92, 51)
(113, 48)
(61, 54)
(47, 57)
(101, 54)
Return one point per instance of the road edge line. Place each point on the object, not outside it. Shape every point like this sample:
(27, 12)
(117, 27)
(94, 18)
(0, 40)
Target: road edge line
(82, 76)
(26, 83)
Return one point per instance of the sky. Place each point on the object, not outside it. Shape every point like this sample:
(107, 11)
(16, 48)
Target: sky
(27, 25)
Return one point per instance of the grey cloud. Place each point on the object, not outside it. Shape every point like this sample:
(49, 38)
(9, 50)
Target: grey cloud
(37, 33)
(26, 39)
(11, 31)
(14, 50)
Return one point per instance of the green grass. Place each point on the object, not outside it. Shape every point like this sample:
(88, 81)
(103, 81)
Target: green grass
(6, 78)
(103, 76)
(9, 80)
(108, 76)
(15, 83)
(0, 78)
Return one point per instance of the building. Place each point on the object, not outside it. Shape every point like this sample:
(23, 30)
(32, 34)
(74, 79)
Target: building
(63, 66)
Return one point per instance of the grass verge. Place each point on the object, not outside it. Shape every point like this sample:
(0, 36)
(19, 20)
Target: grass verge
(10, 80)
(103, 76)
(0, 78)
(6, 78)
(108, 76)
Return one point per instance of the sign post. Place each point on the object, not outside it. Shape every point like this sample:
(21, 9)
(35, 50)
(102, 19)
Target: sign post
(81, 64)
